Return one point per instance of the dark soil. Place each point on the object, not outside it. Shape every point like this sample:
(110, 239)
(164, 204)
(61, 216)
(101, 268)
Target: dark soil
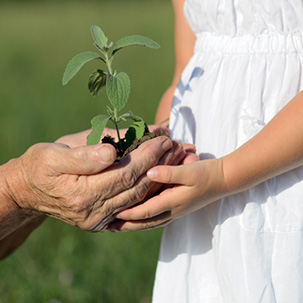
(124, 151)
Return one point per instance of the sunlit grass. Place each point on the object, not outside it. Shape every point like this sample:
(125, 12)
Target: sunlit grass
(36, 43)
(59, 263)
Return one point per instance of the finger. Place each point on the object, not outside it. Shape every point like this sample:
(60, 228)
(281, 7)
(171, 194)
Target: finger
(123, 226)
(189, 148)
(119, 202)
(144, 187)
(124, 199)
(160, 130)
(125, 183)
(146, 210)
(145, 156)
(190, 158)
(149, 210)
(170, 174)
(153, 207)
(158, 211)
(85, 160)
(174, 155)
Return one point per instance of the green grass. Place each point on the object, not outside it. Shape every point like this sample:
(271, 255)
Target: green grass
(59, 263)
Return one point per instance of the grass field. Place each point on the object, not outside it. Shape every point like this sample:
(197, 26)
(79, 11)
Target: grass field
(59, 263)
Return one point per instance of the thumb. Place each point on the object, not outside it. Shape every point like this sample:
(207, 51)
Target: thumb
(86, 160)
(168, 174)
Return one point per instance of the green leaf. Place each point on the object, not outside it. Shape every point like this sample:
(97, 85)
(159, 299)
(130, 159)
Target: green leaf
(118, 89)
(98, 124)
(96, 81)
(133, 117)
(136, 130)
(130, 137)
(135, 40)
(75, 64)
(99, 37)
(139, 125)
(126, 116)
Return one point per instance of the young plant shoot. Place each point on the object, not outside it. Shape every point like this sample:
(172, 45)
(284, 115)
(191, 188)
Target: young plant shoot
(117, 86)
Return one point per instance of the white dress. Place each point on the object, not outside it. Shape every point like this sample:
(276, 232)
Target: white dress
(247, 248)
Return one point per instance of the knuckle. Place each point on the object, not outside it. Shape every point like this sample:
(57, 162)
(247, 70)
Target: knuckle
(151, 158)
(35, 162)
(37, 146)
(179, 149)
(151, 151)
(146, 214)
(85, 225)
(83, 218)
(80, 202)
(92, 225)
(100, 225)
(46, 154)
(108, 208)
(38, 151)
(166, 174)
(173, 155)
(128, 178)
(79, 152)
(139, 192)
(78, 206)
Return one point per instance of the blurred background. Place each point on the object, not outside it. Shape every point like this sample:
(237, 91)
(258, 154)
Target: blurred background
(59, 263)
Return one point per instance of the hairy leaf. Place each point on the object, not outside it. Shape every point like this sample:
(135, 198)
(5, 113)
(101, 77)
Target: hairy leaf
(99, 37)
(98, 124)
(126, 116)
(75, 64)
(135, 40)
(136, 130)
(96, 81)
(130, 137)
(118, 89)
(133, 117)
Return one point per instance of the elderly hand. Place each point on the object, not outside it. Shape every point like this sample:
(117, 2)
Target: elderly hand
(72, 185)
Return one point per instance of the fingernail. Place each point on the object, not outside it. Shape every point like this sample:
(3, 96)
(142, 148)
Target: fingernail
(167, 144)
(105, 154)
(152, 173)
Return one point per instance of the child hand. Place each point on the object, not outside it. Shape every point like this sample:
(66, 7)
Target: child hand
(195, 185)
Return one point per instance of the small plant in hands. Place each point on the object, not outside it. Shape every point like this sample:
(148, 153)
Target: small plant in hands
(117, 89)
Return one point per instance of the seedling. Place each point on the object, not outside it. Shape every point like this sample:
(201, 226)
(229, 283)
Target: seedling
(117, 86)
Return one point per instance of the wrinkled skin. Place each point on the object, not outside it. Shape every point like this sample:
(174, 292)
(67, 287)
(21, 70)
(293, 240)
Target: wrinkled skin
(77, 185)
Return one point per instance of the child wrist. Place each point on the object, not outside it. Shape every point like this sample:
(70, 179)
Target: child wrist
(232, 182)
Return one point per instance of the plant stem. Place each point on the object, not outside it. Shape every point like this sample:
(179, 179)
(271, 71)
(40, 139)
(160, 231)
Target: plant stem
(108, 63)
(115, 120)
(117, 129)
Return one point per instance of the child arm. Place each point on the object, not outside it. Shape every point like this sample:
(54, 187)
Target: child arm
(184, 45)
(276, 149)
